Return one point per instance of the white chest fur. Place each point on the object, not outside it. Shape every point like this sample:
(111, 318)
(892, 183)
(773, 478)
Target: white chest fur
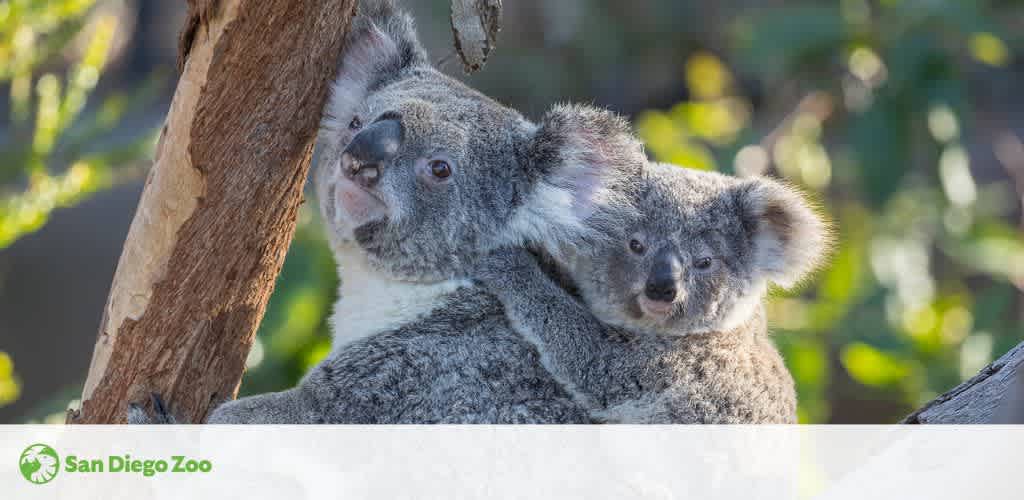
(370, 303)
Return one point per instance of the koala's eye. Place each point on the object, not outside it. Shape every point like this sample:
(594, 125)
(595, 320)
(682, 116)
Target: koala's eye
(436, 170)
(355, 124)
(636, 247)
(702, 263)
(440, 169)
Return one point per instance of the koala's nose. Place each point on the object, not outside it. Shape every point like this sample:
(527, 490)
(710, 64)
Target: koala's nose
(364, 158)
(661, 283)
(660, 290)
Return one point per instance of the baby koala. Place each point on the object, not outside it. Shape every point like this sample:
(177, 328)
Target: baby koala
(671, 327)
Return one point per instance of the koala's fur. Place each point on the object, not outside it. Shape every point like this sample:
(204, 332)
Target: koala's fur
(708, 359)
(415, 342)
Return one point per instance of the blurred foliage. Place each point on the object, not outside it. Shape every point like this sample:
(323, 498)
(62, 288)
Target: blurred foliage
(920, 291)
(872, 107)
(51, 158)
(57, 147)
(10, 386)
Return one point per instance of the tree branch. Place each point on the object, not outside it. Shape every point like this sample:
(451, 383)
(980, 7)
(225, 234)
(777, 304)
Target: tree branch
(475, 26)
(991, 396)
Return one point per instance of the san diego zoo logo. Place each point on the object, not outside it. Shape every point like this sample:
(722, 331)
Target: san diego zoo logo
(39, 463)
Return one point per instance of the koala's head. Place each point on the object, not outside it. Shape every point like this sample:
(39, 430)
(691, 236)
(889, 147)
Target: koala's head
(423, 174)
(700, 252)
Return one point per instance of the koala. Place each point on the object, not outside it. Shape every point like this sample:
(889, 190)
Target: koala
(670, 325)
(418, 177)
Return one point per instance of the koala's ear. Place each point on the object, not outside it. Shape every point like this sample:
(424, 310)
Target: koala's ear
(789, 239)
(381, 44)
(581, 162)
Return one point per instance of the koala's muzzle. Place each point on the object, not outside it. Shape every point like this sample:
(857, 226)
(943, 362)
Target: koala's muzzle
(373, 147)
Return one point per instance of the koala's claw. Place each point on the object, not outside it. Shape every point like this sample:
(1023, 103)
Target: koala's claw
(158, 403)
(137, 415)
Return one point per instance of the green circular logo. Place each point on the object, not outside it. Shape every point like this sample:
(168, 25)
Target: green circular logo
(39, 463)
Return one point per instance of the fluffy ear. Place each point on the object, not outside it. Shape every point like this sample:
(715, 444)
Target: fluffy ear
(789, 238)
(581, 163)
(381, 44)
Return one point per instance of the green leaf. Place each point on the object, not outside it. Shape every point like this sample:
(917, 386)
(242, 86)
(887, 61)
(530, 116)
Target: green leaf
(873, 367)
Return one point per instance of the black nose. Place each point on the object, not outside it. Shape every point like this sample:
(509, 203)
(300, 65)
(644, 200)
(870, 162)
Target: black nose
(364, 158)
(661, 290)
(661, 283)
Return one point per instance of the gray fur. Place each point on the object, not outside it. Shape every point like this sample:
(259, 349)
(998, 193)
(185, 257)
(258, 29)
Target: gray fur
(426, 372)
(709, 359)
(413, 238)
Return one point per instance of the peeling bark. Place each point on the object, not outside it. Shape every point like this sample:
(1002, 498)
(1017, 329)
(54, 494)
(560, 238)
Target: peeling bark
(219, 208)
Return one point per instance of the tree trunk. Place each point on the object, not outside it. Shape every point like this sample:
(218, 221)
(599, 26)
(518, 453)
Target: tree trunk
(995, 395)
(219, 208)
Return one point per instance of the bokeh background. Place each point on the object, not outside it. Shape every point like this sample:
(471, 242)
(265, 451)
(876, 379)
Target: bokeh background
(903, 118)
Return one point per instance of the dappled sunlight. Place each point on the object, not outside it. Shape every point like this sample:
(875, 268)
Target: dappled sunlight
(989, 49)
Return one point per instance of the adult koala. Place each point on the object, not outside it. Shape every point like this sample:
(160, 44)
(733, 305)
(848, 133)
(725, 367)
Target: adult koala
(417, 177)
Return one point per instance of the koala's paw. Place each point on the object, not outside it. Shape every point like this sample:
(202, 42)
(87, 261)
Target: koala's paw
(239, 411)
(138, 415)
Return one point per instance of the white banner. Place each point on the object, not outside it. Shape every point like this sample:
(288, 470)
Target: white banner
(592, 462)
